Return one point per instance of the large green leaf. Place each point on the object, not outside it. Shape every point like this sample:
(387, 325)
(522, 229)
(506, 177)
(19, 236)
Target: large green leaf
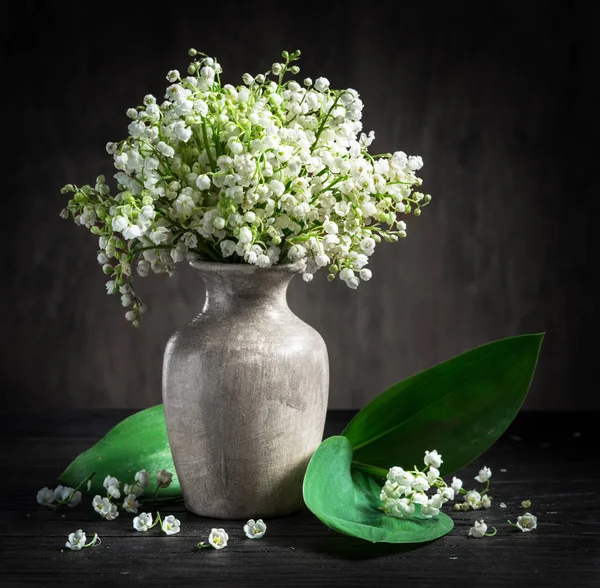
(348, 500)
(138, 442)
(459, 407)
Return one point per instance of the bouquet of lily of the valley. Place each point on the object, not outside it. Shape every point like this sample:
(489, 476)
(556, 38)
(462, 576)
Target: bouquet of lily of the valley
(271, 171)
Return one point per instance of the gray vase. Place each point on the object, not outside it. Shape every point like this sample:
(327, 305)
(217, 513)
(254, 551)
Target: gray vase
(245, 389)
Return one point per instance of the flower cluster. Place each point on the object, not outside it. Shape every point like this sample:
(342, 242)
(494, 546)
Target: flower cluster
(474, 500)
(61, 495)
(105, 506)
(144, 522)
(218, 538)
(404, 490)
(270, 171)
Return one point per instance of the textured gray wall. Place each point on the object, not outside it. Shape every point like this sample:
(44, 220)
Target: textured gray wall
(494, 102)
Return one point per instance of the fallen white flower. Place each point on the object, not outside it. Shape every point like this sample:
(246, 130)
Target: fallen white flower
(171, 525)
(164, 478)
(478, 530)
(255, 529)
(218, 538)
(130, 504)
(45, 496)
(76, 540)
(484, 475)
(143, 522)
(526, 522)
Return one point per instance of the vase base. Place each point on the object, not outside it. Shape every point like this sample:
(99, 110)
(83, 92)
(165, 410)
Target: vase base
(244, 514)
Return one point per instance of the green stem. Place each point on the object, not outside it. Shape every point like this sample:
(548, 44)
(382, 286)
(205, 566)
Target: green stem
(369, 469)
(207, 147)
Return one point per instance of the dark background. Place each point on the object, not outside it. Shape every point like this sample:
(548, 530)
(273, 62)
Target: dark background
(498, 98)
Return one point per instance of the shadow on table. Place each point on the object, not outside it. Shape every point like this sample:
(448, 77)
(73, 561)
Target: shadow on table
(351, 548)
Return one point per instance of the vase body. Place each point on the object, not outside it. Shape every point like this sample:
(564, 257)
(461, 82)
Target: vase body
(245, 389)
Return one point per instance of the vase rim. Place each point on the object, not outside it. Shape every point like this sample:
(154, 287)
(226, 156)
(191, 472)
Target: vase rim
(246, 268)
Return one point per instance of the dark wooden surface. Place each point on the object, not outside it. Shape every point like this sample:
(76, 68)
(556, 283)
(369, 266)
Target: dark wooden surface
(548, 457)
(499, 100)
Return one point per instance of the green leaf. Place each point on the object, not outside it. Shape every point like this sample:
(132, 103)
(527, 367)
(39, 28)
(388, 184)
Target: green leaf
(136, 443)
(459, 407)
(347, 500)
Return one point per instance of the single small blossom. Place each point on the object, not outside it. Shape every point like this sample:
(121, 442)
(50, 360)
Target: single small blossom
(164, 479)
(525, 503)
(45, 496)
(130, 504)
(526, 522)
(105, 508)
(255, 529)
(76, 540)
(456, 484)
(486, 501)
(478, 530)
(142, 478)
(218, 538)
(473, 499)
(484, 475)
(433, 458)
(142, 522)
(171, 525)
(112, 486)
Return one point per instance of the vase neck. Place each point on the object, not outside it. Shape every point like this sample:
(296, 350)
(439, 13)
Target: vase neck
(232, 287)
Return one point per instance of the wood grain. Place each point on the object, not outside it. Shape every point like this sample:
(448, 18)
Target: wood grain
(536, 452)
(496, 100)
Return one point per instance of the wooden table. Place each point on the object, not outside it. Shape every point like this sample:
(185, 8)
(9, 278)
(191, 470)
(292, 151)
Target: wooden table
(545, 457)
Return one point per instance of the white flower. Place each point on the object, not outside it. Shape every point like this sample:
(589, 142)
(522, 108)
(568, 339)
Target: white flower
(365, 274)
(420, 483)
(527, 522)
(45, 496)
(132, 232)
(165, 149)
(66, 493)
(484, 475)
(403, 508)
(255, 529)
(112, 486)
(164, 478)
(473, 499)
(456, 484)
(171, 525)
(486, 501)
(216, 168)
(203, 182)
(525, 503)
(478, 530)
(130, 504)
(432, 475)
(119, 223)
(433, 459)
(245, 235)
(218, 538)
(76, 540)
(447, 493)
(105, 508)
(143, 521)
(321, 84)
(142, 478)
